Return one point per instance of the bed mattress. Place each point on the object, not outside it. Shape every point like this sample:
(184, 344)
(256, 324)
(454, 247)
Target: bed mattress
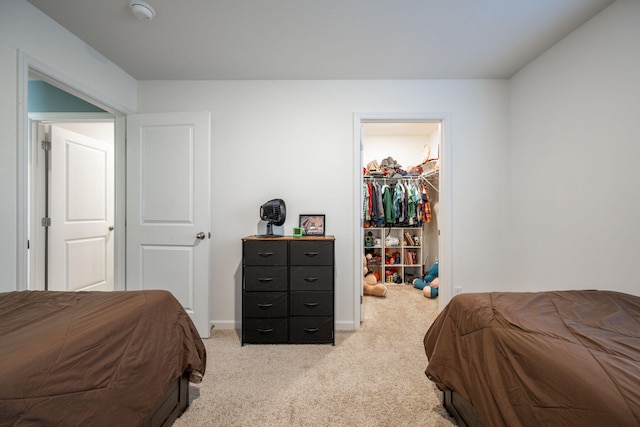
(566, 358)
(92, 358)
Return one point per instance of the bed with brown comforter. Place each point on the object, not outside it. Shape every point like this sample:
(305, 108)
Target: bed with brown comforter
(566, 358)
(92, 358)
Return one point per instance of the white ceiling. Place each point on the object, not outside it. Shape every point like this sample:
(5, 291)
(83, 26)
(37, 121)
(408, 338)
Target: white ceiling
(322, 39)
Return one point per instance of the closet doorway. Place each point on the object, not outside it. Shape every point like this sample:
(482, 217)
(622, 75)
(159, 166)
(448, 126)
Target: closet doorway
(404, 152)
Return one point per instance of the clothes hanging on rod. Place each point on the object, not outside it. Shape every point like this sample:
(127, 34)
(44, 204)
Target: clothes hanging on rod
(396, 202)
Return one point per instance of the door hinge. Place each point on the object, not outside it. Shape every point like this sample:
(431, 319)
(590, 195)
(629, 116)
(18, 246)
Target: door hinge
(46, 145)
(46, 222)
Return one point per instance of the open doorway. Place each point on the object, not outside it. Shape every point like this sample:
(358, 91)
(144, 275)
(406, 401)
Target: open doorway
(401, 168)
(402, 250)
(71, 204)
(71, 191)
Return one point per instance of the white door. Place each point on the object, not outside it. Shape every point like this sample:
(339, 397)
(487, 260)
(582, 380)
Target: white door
(168, 210)
(81, 208)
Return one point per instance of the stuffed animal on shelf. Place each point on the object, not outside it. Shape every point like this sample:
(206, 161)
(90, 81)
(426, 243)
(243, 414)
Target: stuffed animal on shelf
(429, 283)
(370, 283)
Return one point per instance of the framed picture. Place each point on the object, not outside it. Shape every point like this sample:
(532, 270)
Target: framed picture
(312, 225)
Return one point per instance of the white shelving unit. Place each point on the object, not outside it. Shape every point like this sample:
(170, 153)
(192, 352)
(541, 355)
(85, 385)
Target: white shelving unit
(396, 253)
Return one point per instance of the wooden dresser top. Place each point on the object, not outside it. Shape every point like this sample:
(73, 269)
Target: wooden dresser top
(289, 238)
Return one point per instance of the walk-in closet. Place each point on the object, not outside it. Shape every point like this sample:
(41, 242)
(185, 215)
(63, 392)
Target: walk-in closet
(400, 187)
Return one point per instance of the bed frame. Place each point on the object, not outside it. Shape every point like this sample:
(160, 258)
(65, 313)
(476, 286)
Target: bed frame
(461, 410)
(173, 404)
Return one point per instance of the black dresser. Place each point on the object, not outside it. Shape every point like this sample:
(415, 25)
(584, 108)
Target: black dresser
(288, 290)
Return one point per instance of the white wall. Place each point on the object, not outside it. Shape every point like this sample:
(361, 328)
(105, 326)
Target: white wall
(434, 143)
(294, 140)
(406, 150)
(25, 28)
(575, 148)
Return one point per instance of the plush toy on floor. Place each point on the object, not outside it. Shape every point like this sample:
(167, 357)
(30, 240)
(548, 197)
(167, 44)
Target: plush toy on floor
(429, 283)
(370, 283)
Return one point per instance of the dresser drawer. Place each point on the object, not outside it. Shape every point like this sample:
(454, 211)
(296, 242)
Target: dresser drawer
(265, 252)
(265, 278)
(311, 252)
(310, 329)
(311, 303)
(265, 331)
(312, 278)
(265, 304)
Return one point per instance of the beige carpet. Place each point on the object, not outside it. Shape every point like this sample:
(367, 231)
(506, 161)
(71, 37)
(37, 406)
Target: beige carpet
(372, 377)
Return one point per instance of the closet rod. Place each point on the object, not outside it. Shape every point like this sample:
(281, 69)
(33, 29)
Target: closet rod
(420, 178)
(432, 186)
(394, 179)
(426, 178)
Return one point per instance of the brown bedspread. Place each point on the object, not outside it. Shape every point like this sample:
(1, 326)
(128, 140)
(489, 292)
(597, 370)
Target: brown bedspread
(567, 358)
(92, 358)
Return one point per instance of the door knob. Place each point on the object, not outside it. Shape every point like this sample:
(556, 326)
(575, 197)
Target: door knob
(200, 235)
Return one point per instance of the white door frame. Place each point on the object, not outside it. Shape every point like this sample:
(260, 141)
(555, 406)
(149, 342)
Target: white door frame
(27, 64)
(444, 224)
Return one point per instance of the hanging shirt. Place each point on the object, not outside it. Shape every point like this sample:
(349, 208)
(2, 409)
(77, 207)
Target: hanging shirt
(411, 205)
(366, 201)
(398, 202)
(427, 205)
(377, 205)
(387, 201)
(371, 200)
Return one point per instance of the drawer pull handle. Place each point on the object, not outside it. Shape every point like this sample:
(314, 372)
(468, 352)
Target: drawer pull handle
(311, 330)
(265, 279)
(269, 305)
(312, 253)
(311, 304)
(311, 279)
(265, 331)
(265, 254)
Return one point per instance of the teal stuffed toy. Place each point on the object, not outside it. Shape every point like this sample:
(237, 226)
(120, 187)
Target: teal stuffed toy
(429, 283)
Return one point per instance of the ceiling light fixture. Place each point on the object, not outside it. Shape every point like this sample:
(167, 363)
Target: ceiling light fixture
(142, 10)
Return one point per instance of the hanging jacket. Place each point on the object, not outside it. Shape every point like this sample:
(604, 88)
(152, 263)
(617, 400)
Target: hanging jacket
(398, 203)
(411, 203)
(377, 212)
(387, 201)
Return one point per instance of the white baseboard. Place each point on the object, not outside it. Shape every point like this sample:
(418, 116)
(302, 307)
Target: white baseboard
(345, 326)
(225, 324)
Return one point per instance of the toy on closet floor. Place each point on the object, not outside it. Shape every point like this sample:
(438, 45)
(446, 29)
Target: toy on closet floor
(429, 283)
(370, 283)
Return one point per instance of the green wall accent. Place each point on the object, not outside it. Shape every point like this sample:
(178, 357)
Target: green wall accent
(45, 98)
